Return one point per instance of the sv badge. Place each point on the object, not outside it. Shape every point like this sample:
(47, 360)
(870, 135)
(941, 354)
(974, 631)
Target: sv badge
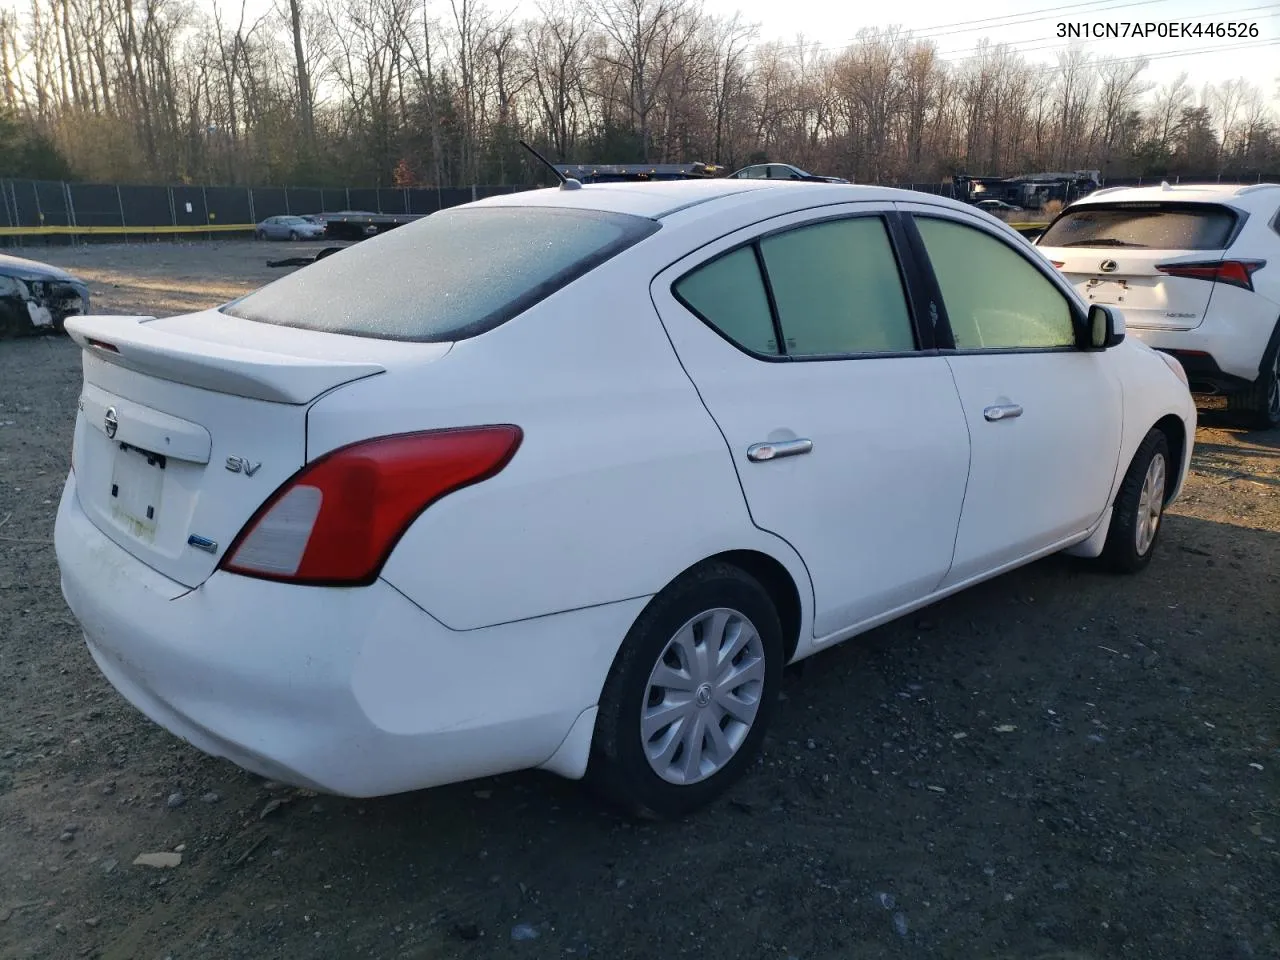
(241, 465)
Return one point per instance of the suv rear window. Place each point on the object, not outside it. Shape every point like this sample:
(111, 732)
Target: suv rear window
(451, 275)
(1158, 226)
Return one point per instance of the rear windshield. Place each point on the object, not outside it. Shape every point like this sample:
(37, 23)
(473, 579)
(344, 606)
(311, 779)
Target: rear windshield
(1158, 226)
(452, 275)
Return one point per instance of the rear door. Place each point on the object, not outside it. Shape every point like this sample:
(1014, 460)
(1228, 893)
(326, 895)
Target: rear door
(1044, 417)
(844, 427)
(1110, 253)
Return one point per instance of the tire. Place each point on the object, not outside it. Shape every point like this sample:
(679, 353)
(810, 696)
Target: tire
(259, 235)
(1135, 520)
(293, 235)
(670, 635)
(1258, 405)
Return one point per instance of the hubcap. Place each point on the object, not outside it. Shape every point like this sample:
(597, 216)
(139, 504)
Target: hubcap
(703, 696)
(1150, 505)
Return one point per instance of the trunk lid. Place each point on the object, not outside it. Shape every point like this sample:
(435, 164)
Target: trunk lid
(186, 425)
(1128, 279)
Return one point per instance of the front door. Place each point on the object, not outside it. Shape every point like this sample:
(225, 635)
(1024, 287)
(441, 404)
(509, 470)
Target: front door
(848, 438)
(1043, 415)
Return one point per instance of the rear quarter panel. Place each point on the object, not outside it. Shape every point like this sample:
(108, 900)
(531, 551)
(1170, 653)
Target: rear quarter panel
(622, 480)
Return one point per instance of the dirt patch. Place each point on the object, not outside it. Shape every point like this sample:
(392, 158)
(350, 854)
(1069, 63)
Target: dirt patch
(1056, 764)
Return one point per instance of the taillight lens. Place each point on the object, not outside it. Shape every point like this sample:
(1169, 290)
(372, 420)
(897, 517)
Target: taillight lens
(337, 520)
(1058, 263)
(1238, 273)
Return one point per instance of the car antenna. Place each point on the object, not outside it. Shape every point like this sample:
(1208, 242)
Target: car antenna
(566, 182)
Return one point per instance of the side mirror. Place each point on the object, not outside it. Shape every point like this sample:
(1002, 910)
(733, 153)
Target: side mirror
(1106, 327)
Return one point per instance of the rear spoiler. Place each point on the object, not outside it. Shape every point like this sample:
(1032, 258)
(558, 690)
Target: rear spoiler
(224, 368)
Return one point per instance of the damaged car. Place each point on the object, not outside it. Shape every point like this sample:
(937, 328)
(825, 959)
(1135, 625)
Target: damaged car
(37, 297)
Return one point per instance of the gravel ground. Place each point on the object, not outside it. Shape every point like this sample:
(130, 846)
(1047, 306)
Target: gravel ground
(1057, 764)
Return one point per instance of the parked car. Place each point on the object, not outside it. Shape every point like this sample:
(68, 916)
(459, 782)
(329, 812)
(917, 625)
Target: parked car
(780, 171)
(997, 207)
(290, 228)
(1196, 270)
(37, 297)
(362, 224)
(559, 480)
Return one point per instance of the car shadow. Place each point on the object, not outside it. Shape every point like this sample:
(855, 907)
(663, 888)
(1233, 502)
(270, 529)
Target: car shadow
(1011, 731)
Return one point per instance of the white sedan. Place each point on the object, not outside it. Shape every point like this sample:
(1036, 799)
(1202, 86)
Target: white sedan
(562, 479)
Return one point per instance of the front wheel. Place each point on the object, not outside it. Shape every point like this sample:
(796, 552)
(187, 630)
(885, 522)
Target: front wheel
(691, 691)
(1139, 508)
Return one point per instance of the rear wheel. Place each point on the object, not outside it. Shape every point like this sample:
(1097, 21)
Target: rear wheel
(293, 234)
(1259, 404)
(1138, 513)
(686, 704)
(259, 235)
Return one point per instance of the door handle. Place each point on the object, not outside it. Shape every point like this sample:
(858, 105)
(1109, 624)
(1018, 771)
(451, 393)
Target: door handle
(1002, 411)
(764, 452)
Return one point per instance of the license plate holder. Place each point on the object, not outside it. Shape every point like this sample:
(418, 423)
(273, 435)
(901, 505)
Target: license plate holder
(137, 483)
(1106, 290)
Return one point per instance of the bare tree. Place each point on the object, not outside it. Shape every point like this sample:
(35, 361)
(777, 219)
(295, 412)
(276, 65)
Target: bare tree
(647, 38)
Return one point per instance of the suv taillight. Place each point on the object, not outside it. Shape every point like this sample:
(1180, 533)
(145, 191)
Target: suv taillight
(1238, 273)
(336, 521)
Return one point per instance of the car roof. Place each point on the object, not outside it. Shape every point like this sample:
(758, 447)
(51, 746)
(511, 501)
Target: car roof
(1241, 194)
(663, 198)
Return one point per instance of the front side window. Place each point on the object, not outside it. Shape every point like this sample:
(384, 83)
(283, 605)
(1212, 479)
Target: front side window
(449, 276)
(837, 288)
(995, 298)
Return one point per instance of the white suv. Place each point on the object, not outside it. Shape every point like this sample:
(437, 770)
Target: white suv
(1196, 271)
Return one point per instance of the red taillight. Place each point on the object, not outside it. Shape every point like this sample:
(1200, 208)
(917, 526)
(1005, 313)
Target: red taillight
(336, 521)
(1238, 273)
(1058, 263)
(102, 345)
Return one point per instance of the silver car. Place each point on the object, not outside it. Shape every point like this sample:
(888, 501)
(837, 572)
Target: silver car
(289, 228)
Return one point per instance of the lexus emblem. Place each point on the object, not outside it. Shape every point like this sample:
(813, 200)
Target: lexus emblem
(1108, 266)
(111, 423)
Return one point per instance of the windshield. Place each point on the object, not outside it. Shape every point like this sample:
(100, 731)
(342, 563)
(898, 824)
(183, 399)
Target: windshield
(452, 275)
(1160, 226)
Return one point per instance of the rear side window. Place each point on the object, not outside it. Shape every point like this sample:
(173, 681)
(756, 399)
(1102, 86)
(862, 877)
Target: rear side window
(838, 290)
(729, 294)
(449, 276)
(1158, 226)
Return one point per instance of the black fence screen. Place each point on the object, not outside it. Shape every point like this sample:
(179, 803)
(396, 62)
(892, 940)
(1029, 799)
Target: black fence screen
(52, 203)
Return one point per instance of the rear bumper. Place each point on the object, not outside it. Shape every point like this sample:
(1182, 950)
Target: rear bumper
(355, 691)
(1224, 353)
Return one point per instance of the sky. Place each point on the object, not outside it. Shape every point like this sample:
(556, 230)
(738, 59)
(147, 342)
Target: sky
(1033, 25)
(1030, 25)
